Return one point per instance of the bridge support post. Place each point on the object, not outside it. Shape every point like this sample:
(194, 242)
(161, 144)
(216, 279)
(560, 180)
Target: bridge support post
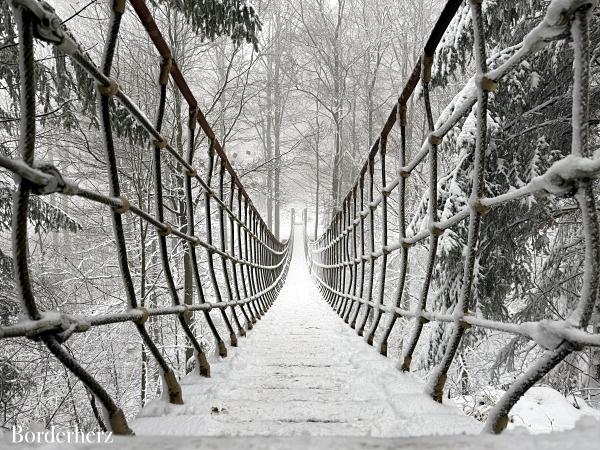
(203, 365)
(172, 387)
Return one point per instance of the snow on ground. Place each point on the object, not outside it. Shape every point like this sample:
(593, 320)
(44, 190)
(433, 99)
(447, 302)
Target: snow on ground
(585, 436)
(541, 410)
(303, 379)
(303, 371)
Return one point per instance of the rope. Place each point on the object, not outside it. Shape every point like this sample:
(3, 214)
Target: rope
(344, 255)
(261, 260)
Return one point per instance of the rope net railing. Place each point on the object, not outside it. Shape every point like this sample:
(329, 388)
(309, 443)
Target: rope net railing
(247, 264)
(344, 259)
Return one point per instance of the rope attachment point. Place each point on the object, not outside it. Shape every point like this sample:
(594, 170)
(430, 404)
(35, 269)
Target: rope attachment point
(142, 320)
(165, 230)
(427, 62)
(119, 6)
(173, 388)
(108, 91)
(165, 71)
(193, 119)
(203, 365)
(160, 143)
(118, 423)
(487, 84)
(124, 206)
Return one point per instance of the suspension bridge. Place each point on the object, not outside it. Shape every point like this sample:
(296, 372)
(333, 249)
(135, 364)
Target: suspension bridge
(288, 359)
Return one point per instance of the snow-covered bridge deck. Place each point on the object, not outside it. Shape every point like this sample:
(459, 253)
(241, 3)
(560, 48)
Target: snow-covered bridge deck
(303, 371)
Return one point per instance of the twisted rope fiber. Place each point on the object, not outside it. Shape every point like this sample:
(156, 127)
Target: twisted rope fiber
(337, 250)
(262, 260)
(41, 178)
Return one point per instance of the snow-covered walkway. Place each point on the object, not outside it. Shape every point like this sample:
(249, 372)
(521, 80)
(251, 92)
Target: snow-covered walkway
(302, 371)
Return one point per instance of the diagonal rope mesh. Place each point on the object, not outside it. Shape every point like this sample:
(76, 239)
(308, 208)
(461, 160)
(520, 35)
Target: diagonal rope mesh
(253, 263)
(344, 258)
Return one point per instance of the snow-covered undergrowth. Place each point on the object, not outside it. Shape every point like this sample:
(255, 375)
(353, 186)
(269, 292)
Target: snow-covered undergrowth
(541, 410)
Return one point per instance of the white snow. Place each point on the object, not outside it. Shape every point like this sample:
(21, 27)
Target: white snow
(49, 320)
(541, 410)
(585, 436)
(303, 371)
(303, 379)
(569, 168)
(559, 8)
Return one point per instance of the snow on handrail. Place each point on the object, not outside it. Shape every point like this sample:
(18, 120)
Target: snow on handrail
(342, 260)
(253, 262)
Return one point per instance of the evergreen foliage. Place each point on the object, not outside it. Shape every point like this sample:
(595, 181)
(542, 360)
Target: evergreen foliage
(525, 260)
(214, 18)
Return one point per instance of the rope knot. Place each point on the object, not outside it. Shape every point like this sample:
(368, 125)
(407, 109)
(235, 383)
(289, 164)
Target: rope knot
(109, 90)
(187, 314)
(144, 315)
(160, 143)
(166, 230)
(549, 334)
(565, 176)
(56, 184)
(165, 71)
(61, 326)
(193, 119)
(435, 140)
(124, 206)
(559, 14)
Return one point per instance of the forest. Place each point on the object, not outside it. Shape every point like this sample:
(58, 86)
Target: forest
(297, 93)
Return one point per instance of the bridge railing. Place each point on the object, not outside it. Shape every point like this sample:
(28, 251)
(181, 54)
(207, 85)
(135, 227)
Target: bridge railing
(251, 263)
(343, 259)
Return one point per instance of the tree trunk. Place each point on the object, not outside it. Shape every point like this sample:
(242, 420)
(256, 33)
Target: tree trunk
(594, 367)
(188, 283)
(356, 159)
(318, 180)
(144, 368)
(269, 144)
(278, 118)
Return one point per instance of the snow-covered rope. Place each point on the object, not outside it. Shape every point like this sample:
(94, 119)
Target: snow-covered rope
(342, 260)
(254, 263)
